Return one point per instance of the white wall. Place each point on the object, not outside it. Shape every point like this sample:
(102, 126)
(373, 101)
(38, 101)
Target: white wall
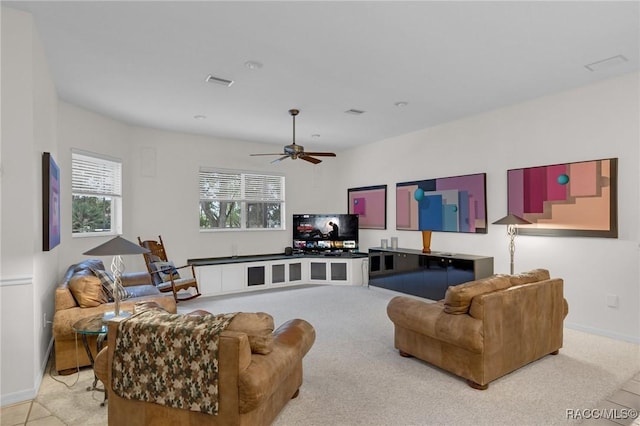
(85, 130)
(27, 274)
(598, 121)
(160, 193)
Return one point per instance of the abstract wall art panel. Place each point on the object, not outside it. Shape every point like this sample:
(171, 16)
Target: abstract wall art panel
(370, 204)
(452, 204)
(571, 199)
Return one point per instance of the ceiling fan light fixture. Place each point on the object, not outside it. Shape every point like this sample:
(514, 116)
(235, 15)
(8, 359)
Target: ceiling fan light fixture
(218, 80)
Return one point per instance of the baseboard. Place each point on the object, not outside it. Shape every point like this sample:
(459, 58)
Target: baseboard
(604, 333)
(29, 394)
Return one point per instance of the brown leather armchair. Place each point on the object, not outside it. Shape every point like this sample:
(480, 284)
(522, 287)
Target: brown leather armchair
(252, 387)
(483, 329)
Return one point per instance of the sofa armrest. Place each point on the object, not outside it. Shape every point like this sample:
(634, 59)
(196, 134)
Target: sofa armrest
(431, 320)
(296, 334)
(529, 317)
(292, 341)
(64, 299)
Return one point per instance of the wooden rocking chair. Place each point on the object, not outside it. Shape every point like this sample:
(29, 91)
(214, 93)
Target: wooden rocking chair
(165, 275)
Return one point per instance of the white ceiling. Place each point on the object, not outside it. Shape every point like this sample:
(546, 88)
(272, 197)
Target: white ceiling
(146, 62)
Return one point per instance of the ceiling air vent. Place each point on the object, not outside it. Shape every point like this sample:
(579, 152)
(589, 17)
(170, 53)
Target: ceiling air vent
(218, 80)
(354, 111)
(606, 63)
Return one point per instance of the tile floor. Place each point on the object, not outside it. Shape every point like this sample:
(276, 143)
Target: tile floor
(627, 398)
(625, 401)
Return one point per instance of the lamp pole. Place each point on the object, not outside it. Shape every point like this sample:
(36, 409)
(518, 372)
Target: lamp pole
(512, 221)
(511, 231)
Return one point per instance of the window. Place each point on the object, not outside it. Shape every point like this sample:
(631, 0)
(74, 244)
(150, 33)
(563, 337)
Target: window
(96, 186)
(239, 200)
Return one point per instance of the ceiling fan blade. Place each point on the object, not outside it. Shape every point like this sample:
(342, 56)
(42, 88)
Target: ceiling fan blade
(306, 157)
(279, 153)
(321, 154)
(280, 159)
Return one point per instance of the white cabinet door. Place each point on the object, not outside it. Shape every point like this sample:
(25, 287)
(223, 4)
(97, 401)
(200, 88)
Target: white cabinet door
(233, 277)
(209, 279)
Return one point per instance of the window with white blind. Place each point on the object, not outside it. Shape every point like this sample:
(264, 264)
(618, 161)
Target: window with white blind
(241, 200)
(96, 186)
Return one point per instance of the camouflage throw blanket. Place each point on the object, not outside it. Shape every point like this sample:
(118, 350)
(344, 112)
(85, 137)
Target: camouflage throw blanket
(169, 359)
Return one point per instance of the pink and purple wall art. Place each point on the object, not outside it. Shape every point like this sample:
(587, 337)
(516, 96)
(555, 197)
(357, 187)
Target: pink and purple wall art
(452, 204)
(370, 204)
(570, 199)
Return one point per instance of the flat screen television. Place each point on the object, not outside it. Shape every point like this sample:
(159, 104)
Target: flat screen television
(325, 232)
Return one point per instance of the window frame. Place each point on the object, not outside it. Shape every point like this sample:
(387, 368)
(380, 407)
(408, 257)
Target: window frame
(245, 195)
(112, 190)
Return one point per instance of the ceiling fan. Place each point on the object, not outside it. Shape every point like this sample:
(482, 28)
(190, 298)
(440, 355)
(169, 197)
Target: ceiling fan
(294, 151)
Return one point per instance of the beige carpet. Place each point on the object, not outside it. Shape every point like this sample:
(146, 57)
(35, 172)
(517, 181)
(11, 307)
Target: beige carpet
(354, 376)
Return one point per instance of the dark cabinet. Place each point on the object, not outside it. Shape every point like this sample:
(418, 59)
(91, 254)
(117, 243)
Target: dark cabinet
(424, 274)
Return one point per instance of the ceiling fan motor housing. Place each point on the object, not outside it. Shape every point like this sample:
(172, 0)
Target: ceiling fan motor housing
(295, 151)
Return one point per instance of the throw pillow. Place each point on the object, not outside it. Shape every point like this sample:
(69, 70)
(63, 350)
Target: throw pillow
(457, 299)
(258, 327)
(87, 290)
(108, 284)
(164, 271)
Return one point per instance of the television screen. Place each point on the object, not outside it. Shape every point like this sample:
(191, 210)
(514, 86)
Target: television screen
(325, 232)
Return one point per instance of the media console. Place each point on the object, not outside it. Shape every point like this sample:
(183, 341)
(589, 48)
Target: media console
(225, 275)
(424, 274)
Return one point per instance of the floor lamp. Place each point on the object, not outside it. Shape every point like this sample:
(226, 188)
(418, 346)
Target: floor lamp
(512, 221)
(116, 247)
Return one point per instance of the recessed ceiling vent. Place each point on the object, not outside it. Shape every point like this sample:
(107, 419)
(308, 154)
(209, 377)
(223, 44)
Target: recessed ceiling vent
(354, 111)
(606, 63)
(218, 80)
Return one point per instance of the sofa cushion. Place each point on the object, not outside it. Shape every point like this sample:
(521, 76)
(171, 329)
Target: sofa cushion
(458, 298)
(532, 276)
(87, 290)
(258, 327)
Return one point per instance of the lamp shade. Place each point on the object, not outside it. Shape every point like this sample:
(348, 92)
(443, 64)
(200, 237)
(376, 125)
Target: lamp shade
(512, 219)
(116, 246)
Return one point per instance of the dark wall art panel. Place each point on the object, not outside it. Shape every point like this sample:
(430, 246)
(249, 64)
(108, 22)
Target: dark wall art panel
(50, 202)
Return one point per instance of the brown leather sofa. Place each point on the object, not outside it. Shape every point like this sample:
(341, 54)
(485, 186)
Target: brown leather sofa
(254, 384)
(483, 329)
(88, 301)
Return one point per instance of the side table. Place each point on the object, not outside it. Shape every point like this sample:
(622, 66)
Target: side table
(95, 325)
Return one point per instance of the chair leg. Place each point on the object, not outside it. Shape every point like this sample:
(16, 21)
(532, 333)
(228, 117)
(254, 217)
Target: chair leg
(477, 386)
